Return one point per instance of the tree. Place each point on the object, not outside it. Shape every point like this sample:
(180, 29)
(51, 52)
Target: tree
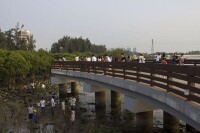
(15, 66)
(70, 45)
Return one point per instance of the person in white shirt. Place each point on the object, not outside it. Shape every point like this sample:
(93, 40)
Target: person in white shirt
(76, 58)
(52, 105)
(63, 106)
(107, 58)
(72, 101)
(88, 58)
(72, 117)
(158, 58)
(42, 105)
(94, 58)
(30, 111)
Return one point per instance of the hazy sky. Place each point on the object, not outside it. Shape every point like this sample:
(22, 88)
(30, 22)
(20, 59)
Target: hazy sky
(173, 24)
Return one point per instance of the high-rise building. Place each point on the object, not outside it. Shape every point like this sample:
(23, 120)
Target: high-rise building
(24, 35)
(134, 50)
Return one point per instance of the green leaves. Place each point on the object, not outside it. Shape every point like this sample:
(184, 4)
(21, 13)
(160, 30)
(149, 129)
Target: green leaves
(70, 45)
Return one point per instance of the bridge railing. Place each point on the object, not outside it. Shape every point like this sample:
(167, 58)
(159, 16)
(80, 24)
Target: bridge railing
(183, 81)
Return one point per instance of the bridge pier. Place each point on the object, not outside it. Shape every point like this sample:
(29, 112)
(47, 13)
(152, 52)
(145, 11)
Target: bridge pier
(62, 90)
(116, 100)
(100, 104)
(75, 89)
(170, 123)
(144, 122)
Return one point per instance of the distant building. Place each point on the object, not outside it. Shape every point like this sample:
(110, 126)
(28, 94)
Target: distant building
(134, 50)
(24, 35)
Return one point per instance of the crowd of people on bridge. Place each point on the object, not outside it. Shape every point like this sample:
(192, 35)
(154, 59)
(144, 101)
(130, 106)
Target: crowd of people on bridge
(159, 58)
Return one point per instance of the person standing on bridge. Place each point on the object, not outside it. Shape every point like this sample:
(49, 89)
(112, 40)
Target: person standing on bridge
(94, 58)
(174, 59)
(181, 59)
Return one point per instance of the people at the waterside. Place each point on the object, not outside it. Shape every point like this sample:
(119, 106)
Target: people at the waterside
(35, 116)
(182, 59)
(42, 105)
(30, 112)
(174, 59)
(72, 117)
(94, 58)
(52, 105)
(72, 101)
(63, 106)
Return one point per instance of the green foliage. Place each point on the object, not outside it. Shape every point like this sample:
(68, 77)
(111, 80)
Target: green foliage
(115, 52)
(22, 63)
(70, 45)
(2, 60)
(15, 65)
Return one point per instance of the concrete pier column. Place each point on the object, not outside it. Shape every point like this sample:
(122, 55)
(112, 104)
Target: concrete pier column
(170, 123)
(116, 100)
(144, 122)
(75, 89)
(100, 104)
(62, 90)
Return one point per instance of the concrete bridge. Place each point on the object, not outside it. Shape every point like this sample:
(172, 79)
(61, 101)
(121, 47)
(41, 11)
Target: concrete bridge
(172, 88)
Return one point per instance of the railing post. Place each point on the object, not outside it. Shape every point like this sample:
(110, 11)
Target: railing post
(152, 76)
(192, 84)
(169, 78)
(113, 71)
(138, 72)
(124, 70)
(104, 69)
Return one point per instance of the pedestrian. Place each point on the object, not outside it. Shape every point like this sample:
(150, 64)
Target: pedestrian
(35, 116)
(63, 106)
(42, 105)
(164, 61)
(72, 118)
(181, 59)
(72, 101)
(52, 105)
(174, 59)
(158, 57)
(30, 112)
(123, 58)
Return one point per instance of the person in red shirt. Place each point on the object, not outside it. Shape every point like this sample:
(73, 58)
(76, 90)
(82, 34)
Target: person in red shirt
(164, 61)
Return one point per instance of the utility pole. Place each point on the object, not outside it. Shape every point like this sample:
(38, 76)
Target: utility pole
(152, 47)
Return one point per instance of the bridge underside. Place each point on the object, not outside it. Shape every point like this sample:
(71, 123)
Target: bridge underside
(169, 102)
